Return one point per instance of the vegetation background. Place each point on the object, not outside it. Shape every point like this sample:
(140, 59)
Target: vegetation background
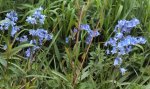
(75, 65)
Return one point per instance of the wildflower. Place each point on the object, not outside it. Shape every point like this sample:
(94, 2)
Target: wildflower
(67, 40)
(28, 52)
(41, 33)
(31, 20)
(126, 26)
(37, 16)
(122, 42)
(12, 16)
(88, 39)
(107, 51)
(123, 70)
(85, 27)
(75, 30)
(33, 42)
(23, 38)
(117, 61)
(119, 35)
(91, 34)
(14, 30)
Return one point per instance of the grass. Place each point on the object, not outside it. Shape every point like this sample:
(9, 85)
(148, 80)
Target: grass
(76, 65)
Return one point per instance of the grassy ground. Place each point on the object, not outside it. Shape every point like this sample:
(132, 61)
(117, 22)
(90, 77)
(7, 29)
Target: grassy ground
(76, 65)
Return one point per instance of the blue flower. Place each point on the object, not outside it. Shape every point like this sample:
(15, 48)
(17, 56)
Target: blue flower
(85, 27)
(123, 70)
(67, 39)
(122, 42)
(14, 30)
(141, 40)
(23, 38)
(28, 52)
(90, 36)
(32, 32)
(31, 20)
(114, 50)
(107, 51)
(12, 16)
(111, 42)
(33, 42)
(117, 61)
(48, 36)
(88, 39)
(41, 34)
(37, 16)
(75, 30)
(119, 35)
(125, 26)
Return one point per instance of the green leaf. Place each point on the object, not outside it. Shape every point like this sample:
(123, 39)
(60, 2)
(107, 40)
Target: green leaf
(3, 61)
(19, 48)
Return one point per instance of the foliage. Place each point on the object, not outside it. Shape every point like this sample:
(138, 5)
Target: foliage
(73, 64)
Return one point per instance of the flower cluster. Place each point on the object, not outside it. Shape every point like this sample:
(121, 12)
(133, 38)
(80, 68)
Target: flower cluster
(10, 23)
(36, 17)
(91, 33)
(41, 34)
(122, 42)
(38, 35)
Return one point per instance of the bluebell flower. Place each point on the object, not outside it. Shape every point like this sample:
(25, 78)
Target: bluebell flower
(31, 20)
(32, 32)
(107, 51)
(41, 33)
(28, 52)
(123, 70)
(111, 42)
(5, 24)
(42, 19)
(90, 36)
(121, 51)
(128, 49)
(48, 36)
(75, 30)
(88, 39)
(37, 16)
(33, 42)
(141, 40)
(85, 27)
(114, 50)
(122, 42)
(12, 16)
(14, 30)
(94, 33)
(23, 38)
(117, 61)
(67, 39)
(125, 26)
(132, 23)
(119, 35)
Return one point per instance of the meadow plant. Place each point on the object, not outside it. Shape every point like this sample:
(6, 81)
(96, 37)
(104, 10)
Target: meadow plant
(81, 64)
(38, 35)
(91, 33)
(122, 42)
